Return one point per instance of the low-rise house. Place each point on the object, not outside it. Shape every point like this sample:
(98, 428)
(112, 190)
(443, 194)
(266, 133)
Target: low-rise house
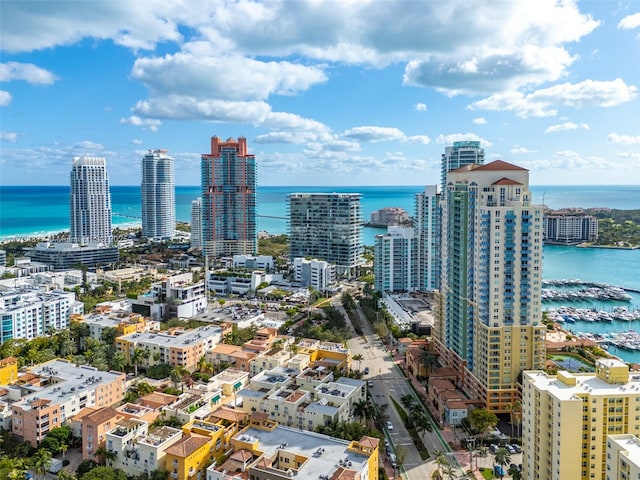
(95, 426)
(193, 404)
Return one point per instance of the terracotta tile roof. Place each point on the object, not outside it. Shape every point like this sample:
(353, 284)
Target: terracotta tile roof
(229, 414)
(42, 402)
(158, 398)
(495, 165)
(83, 413)
(241, 455)
(344, 474)
(369, 441)
(441, 384)
(506, 181)
(8, 361)
(102, 415)
(187, 445)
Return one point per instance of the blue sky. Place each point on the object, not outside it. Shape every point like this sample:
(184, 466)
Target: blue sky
(344, 92)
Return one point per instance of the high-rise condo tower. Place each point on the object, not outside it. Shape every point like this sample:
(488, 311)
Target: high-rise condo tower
(90, 201)
(158, 195)
(488, 316)
(229, 199)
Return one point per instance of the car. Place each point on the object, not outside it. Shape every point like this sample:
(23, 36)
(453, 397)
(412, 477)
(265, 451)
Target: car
(386, 443)
(370, 384)
(498, 470)
(493, 447)
(366, 370)
(517, 448)
(393, 460)
(510, 449)
(389, 425)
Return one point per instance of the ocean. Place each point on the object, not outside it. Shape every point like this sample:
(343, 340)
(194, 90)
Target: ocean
(29, 211)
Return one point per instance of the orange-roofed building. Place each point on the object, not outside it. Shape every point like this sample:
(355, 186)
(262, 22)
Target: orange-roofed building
(94, 430)
(189, 457)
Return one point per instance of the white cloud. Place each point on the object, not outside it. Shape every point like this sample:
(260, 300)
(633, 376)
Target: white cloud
(285, 137)
(8, 136)
(480, 121)
(149, 123)
(25, 71)
(624, 139)
(461, 137)
(422, 139)
(216, 77)
(544, 102)
(633, 155)
(137, 141)
(375, 134)
(421, 107)
(519, 150)
(5, 98)
(630, 22)
(566, 126)
(131, 24)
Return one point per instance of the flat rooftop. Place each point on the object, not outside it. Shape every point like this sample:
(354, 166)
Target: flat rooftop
(178, 341)
(586, 383)
(323, 452)
(159, 435)
(66, 380)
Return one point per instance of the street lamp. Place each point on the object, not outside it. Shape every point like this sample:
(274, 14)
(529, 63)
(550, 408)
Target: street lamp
(471, 445)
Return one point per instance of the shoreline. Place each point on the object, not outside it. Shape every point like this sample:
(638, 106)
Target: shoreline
(47, 236)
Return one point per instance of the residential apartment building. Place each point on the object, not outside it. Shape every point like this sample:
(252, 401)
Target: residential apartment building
(260, 262)
(189, 457)
(124, 323)
(395, 266)
(623, 457)
(177, 296)
(196, 224)
(194, 404)
(265, 450)
(389, 216)
(90, 201)
(158, 192)
(30, 312)
(55, 391)
(95, 426)
(460, 154)
(140, 448)
(228, 176)
(316, 274)
(569, 228)
(489, 313)
(568, 419)
(177, 347)
(8, 370)
(426, 225)
(327, 226)
(62, 256)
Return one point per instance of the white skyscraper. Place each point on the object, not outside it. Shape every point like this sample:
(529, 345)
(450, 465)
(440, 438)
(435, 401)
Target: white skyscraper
(158, 195)
(196, 223)
(426, 224)
(90, 201)
(459, 155)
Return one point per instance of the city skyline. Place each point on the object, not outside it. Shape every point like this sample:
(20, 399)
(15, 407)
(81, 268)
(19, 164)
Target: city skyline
(343, 99)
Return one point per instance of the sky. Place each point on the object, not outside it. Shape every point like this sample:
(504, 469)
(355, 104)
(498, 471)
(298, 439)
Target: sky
(334, 92)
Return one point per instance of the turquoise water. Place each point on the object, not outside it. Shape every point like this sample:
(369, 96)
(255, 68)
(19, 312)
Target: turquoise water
(39, 210)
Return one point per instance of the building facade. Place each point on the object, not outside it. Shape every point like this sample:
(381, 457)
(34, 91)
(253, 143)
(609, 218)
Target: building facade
(90, 201)
(389, 216)
(62, 256)
(426, 224)
(158, 195)
(559, 228)
(326, 226)
(228, 176)
(489, 316)
(460, 154)
(196, 224)
(395, 265)
(31, 312)
(568, 418)
(316, 274)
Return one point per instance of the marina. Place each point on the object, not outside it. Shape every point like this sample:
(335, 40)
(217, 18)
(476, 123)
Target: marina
(573, 314)
(578, 291)
(628, 340)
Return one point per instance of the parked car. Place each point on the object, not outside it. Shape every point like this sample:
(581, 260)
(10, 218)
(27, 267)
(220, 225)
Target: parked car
(370, 384)
(493, 447)
(510, 448)
(498, 470)
(389, 425)
(517, 448)
(366, 370)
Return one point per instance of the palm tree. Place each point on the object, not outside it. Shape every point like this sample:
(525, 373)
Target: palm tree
(408, 401)
(502, 458)
(41, 462)
(204, 365)
(357, 358)
(145, 388)
(515, 473)
(429, 360)
(135, 359)
(63, 448)
(118, 362)
(515, 413)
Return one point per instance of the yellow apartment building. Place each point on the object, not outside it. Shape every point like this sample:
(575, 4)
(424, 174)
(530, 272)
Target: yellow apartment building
(8, 370)
(568, 417)
(188, 458)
